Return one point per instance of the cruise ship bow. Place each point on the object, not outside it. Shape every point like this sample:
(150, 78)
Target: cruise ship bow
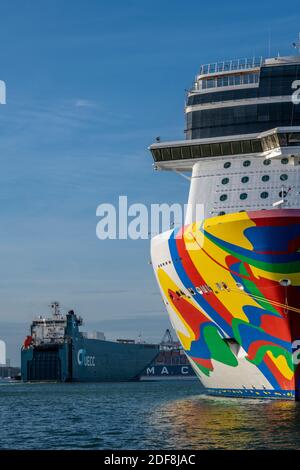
(230, 280)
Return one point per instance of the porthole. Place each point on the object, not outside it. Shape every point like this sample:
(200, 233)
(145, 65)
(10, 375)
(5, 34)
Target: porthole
(267, 162)
(245, 179)
(285, 282)
(221, 213)
(225, 180)
(227, 165)
(239, 286)
(283, 177)
(264, 195)
(223, 197)
(246, 163)
(243, 196)
(284, 161)
(282, 193)
(265, 178)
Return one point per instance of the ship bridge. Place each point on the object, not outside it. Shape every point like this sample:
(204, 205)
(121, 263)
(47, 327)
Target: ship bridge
(182, 155)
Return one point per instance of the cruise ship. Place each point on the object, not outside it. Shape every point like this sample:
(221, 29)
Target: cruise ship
(230, 278)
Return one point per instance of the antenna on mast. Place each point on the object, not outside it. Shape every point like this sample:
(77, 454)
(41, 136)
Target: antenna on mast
(296, 44)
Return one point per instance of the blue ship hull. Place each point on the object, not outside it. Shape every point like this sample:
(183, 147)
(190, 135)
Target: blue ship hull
(78, 359)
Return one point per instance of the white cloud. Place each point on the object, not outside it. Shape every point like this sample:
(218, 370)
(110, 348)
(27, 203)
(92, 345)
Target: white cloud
(82, 103)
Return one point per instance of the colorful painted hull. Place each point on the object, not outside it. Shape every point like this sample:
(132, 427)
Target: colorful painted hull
(224, 282)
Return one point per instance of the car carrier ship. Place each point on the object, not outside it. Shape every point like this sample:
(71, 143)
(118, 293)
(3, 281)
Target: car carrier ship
(56, 350)
(230, 278)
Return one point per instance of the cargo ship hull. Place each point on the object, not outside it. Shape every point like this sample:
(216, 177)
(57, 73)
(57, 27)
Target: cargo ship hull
(171, 362)
(79, 359)
(231, 286)
(168, 372)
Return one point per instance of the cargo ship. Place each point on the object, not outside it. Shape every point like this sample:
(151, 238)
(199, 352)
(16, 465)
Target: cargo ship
(56, 350)
(230, 276)
(171, 362)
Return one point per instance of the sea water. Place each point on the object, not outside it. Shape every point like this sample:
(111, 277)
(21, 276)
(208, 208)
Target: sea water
(141, 415)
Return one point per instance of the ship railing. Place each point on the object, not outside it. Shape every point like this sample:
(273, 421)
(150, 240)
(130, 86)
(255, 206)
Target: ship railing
(231, 65)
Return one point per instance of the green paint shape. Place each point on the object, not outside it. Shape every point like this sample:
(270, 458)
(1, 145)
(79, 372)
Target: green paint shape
(286, 268)
(203, 369)
(219, 349)
(236, 322)
(276, 351)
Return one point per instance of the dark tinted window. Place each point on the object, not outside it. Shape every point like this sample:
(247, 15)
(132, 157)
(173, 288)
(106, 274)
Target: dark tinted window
(156, 155)
(176, 153)
(186, 152)
(206, 152)
(294, 138)
(166, 154)
(196, 151)
(236, 147)
(256, 146)
(246, 146)
(257, 117)
(226, 148)
(215, 149)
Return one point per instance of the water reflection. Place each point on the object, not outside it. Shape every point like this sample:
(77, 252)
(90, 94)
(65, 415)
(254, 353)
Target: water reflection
(139, 415)
(201, 422)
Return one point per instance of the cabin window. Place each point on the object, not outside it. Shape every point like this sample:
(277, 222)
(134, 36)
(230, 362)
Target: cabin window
(225, 180)
(265, 178)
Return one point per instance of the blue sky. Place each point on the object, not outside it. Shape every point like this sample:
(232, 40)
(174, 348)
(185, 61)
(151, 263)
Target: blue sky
(89, 86)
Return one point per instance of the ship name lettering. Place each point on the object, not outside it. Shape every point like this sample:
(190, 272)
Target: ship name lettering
(296, 351)
(84, 360)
